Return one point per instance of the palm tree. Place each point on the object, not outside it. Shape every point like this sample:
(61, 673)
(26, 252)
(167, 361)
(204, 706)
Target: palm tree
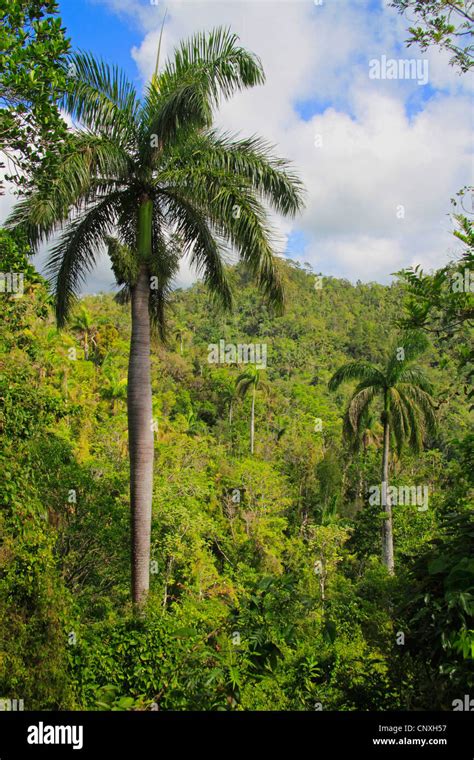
(180, 332)
(82, 323)
(407, 413)
(252, 380)
(227, 395)
(150, 171)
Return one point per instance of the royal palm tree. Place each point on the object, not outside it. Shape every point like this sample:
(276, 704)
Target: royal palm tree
(179, 333)
(250, 380)
(82, 323)
(407, 411)
(227, 395)
(145, 170)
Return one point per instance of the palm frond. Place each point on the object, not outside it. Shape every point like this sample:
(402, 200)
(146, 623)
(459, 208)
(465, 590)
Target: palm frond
(245, 381)
(409, 346)
(357, 409)
(76, 252)
(93, 166)
(201, 245)
(252, 160)
(102, 99)
(123, 296)
(205, 69)
(237, 216)
(398, 418)
(357, 370)
(164, 266)
(423, 400)
(415, 376)
(416, 420)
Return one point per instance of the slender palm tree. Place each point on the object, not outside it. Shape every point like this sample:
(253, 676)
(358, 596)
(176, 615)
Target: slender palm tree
(250, 380)
(407, 411)
(180, 332)
(145, 171)
(82, 323)
(227, 395)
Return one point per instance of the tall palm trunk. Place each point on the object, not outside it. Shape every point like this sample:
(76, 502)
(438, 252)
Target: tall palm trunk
(252, 422)
(387, 530)
(139, 400)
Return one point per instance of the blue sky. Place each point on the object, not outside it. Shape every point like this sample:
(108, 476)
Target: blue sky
(94, 27)
(380, 159)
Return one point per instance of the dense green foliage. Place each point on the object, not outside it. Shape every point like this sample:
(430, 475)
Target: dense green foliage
(267, 586)
(33, 74)
(441, 302)
(447, 24)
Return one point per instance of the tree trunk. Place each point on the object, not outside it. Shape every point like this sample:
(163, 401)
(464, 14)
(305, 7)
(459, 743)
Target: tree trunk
(387, 531)
(139, 401)
(252, 422)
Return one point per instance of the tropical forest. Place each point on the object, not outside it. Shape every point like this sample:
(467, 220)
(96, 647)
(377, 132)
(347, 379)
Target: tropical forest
(248, 493)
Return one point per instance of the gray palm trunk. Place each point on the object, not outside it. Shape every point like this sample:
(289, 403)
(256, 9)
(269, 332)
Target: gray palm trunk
(387, 529)
(252, 422)
(140, 431)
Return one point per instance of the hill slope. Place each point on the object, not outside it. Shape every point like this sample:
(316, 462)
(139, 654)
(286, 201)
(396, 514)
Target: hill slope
(267, 587)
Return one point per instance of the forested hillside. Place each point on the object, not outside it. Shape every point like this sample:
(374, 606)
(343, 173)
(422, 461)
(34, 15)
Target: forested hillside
(267, 586)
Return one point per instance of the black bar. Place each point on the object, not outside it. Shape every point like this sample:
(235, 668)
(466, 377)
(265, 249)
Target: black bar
(311, 735)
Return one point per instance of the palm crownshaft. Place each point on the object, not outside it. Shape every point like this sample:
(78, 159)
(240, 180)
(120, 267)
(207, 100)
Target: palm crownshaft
(157, 176)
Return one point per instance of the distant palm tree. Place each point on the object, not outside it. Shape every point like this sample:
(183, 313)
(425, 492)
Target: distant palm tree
(408, 411)
(251, 380)
(227, 394)
(180, 332)
(82, 323)
(147, 170)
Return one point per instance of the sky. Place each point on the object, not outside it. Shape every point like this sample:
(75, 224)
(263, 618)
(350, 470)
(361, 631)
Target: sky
(380, 158)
